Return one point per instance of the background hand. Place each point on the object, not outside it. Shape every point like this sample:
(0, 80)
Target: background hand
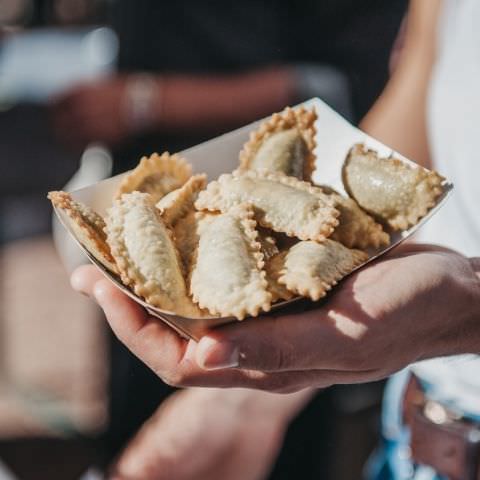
(92, 112)
(209, 434)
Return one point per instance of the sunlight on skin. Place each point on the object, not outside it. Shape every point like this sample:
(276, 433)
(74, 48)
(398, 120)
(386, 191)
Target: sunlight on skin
(379, 320)
(347, 326)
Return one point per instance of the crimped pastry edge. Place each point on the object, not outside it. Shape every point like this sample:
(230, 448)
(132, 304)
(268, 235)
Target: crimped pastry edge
(172, 165)
(90, 223)
(302, 118)
(317, 289)
(400, 221)
(213, 199)
(244, 213)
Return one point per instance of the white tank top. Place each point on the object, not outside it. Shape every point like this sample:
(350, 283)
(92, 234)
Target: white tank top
(454, 133)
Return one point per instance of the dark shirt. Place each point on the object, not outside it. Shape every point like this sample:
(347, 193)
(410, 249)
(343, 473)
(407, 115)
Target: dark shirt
(219, 36)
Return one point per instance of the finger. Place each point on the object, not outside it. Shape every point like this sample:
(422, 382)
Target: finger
(173, 358)
(289, 382)
(155, 343)
(83, 279)
(61, 102)
(127, 318)
(409, 248)
(305, 341)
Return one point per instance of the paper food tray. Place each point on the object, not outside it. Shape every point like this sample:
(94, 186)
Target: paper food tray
(335, 136)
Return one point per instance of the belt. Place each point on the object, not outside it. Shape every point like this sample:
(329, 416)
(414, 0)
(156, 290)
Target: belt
(447, 443)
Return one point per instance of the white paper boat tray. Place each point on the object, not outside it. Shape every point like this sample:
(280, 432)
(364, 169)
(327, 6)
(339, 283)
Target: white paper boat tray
(335, 137)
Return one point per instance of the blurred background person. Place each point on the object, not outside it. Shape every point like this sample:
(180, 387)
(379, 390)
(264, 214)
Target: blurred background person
(184, 72)
(193, 70)
(53, 353)
(431, 411)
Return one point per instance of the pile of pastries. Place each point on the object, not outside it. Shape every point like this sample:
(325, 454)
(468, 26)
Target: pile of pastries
(261, 234)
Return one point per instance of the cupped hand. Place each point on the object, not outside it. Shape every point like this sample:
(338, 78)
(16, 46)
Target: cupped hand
(418, 302)
(208, 434)
(92, 112)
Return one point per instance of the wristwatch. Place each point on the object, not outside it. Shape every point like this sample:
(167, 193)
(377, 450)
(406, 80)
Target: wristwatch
(142, 101)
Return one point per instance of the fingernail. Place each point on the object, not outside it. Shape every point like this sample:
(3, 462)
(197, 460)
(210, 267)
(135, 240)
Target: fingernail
(215, 355)
(77, 284)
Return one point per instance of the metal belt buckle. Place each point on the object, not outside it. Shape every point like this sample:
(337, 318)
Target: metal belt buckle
(439, 415)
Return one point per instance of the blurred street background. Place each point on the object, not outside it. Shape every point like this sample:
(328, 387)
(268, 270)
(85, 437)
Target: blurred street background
(69, 395)
(53, 365)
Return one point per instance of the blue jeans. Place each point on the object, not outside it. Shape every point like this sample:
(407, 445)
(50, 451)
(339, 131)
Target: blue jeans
(392, 459)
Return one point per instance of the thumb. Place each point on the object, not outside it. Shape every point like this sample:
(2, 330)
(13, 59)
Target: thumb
(84, 279)
(268, 344)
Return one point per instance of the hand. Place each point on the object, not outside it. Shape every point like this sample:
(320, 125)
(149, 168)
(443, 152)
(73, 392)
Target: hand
(91, 112)
(209, 434)
(416, 303)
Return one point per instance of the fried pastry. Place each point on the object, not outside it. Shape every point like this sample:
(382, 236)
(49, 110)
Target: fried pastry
(284, 204)
(283, 143)
(185, 232)
(273, 269)
(227, 277)
(179, 202)
(88, 227)
(267, 242)
(388, 188)
(356, 228)
(270, 251)
(156, 175)
(147, 259)
(178, 212)
(311, 269)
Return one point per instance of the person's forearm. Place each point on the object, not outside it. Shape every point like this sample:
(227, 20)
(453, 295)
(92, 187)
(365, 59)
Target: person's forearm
(206, 102)
(475, 264)
(398, 118)
(471, 335)
(464, 296)
(279, 406)
(228, 413)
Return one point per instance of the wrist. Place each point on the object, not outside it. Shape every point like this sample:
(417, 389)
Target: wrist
(218, 102)
(143, 100)
(463, 312)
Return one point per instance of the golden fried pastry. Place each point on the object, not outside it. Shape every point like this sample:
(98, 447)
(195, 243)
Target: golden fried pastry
(227, 277)
(156, 175)
(311, 269)
(145, 254)
(284, 204)
(88, 227)
(178, 212)
(356, 228)
(267, 243)
(185, 232)
(284, 143)
(179, 202)
(273, 269)
(270, 250)
(388, 188)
